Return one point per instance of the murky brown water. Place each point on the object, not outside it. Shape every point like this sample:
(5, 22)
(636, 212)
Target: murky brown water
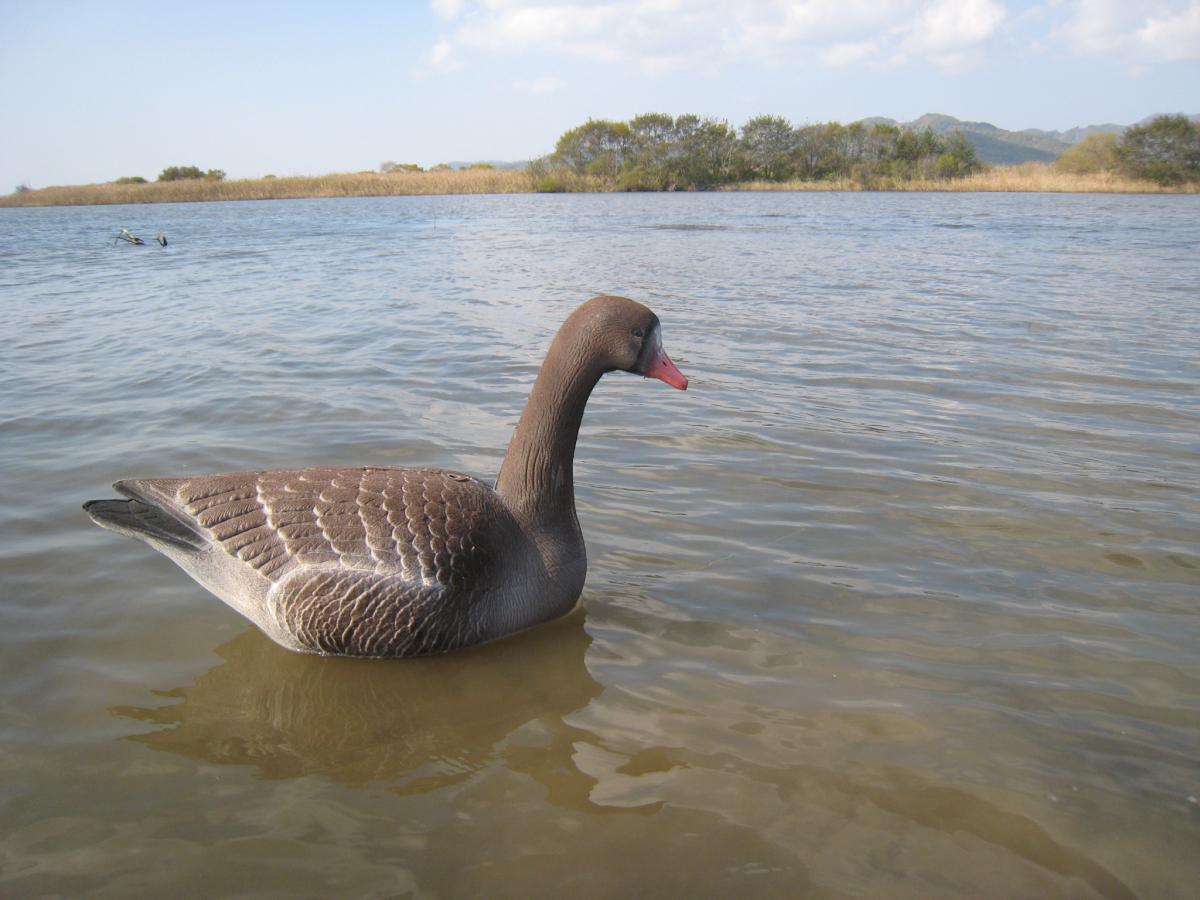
(899, 599)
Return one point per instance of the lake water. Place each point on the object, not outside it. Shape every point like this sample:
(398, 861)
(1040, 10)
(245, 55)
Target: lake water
(899, 599)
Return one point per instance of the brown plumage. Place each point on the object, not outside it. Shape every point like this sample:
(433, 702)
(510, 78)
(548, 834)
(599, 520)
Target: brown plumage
(389, 561)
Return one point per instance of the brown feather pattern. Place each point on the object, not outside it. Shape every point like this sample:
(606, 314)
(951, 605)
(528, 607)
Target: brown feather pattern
(361, 558)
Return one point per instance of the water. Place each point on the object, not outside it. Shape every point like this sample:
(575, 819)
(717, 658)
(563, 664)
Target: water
(899, 599)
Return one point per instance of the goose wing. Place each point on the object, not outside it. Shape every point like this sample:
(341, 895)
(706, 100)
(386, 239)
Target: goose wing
(362, 562)
(428, 525)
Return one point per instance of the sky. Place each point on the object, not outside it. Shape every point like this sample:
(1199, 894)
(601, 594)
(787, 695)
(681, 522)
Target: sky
(93, 91)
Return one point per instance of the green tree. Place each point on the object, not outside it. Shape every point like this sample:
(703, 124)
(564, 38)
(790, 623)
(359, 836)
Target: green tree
(1095, 153)
(766, 145)
(852, 144)
(702, 152)
(597, 147)
(655, 152)
(180, 173)
(913, 146)
(809, 152)
(1166, 150)
(879, 146)
(650, 130)
(130, 179)
(650, 139)
(957, 156)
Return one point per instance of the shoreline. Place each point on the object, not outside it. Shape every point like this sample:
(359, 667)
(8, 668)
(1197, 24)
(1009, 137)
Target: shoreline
(1025, 178)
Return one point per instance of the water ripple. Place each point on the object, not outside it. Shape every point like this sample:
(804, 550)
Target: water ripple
(902, 590)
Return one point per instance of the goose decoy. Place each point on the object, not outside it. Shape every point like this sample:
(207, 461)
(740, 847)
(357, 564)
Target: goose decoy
(381, 561)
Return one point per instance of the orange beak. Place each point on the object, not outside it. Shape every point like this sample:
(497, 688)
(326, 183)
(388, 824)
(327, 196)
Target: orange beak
(663, 369)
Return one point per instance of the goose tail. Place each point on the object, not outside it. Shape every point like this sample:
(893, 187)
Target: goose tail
(144, 521)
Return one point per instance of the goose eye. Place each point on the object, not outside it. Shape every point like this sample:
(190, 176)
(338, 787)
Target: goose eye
(637, 333)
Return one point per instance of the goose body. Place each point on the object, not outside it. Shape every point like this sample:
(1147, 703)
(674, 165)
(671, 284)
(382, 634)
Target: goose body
(382, 561)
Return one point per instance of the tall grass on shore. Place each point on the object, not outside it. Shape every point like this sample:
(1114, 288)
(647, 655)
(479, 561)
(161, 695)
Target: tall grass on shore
(358, 184)
(1030, 177)
(1040, 177)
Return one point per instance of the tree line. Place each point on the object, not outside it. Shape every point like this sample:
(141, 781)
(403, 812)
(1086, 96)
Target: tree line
(176, 173)
(655, 152)
(1165, 150)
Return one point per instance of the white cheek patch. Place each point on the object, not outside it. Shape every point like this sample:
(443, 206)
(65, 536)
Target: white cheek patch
(654, 348)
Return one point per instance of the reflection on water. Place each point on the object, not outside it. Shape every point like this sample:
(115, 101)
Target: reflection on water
(420, 727)
(899, 599)
(429, 725)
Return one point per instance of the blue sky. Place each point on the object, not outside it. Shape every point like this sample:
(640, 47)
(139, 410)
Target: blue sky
(93, 91)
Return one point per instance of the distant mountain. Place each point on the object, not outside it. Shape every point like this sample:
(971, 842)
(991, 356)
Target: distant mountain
(1195, 118)
(1000, 146)
(992, 144)
(997, 145)
(1075, 135)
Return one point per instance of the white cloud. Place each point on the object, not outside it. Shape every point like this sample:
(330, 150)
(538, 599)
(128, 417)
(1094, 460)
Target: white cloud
(1135, 31)
(439, 60)
(1172, 37)
(1098, 26)
(663, 35)
(608, 32)
(817, 21)
(447, 9)
(950, 25)
(777, 32)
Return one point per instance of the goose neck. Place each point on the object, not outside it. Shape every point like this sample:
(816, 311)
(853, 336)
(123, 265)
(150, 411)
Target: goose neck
(536, 479)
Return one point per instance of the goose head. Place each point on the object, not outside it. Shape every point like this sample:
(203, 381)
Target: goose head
(623, 335)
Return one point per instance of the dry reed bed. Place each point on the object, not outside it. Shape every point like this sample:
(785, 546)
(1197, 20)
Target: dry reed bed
(1027, 177)
(1032, 177)
(360, 184)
